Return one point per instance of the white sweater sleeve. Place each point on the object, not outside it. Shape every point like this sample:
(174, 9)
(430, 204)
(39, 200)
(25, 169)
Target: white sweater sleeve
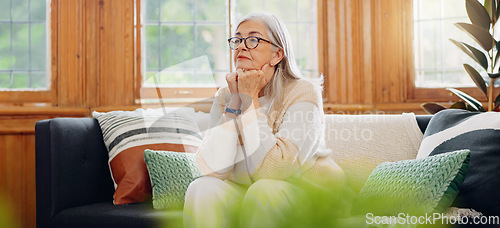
(302, 125)
(219, 146)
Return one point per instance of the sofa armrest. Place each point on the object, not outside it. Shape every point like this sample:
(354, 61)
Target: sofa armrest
(71, 166)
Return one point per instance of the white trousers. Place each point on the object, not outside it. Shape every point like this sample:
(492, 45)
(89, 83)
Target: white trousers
(211, 202)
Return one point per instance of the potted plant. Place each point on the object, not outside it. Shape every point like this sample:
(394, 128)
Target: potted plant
(482, 30)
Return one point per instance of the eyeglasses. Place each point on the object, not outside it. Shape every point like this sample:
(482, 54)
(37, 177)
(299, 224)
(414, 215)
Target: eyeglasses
(251, 42)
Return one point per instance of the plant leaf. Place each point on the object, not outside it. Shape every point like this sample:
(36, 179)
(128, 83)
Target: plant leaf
(497, 102)
(476, 105)
(487, 5)
(478, 15)
(476, 55)
(432, 108)
(495, 75)
(479, 34)
(497, 56)
(497, 9)
(458, 105)
(462, 105)
(491, 7)
(481, 58)
(476, 77)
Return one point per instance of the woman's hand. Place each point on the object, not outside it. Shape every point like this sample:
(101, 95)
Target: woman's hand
(232, 82)
(251, 82)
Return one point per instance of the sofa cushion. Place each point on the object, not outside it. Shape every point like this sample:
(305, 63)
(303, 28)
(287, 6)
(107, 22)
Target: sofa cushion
(128, 134)
(116, 216)
(361, 142)
(170, 173)
(480, 133)
(414, 186)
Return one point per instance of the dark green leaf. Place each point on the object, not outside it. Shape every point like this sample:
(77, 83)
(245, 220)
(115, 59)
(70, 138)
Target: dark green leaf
(478, 14)
(476, 77)
(476, 105)
(479, 34)
(495, 75)
(432, 108)
(481, 58)
(497, 102)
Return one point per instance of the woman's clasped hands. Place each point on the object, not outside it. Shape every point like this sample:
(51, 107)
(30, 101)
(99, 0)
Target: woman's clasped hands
(247, 85)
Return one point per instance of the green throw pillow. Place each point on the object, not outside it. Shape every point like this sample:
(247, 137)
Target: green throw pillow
(413, 187)
(170, 173)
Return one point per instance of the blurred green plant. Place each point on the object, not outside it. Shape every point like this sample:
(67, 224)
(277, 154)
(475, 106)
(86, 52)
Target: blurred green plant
(482, 30)
(6, 212)
(332, 206)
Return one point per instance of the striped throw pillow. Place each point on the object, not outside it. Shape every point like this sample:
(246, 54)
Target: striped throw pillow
(128, 134)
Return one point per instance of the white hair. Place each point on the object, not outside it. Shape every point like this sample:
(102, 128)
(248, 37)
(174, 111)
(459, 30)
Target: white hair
(287, 68)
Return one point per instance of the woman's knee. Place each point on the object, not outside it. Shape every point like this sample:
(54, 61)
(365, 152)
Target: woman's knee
(204, 186)
(270, 191)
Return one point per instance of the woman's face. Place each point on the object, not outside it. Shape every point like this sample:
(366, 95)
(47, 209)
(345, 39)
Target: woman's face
(253, 59)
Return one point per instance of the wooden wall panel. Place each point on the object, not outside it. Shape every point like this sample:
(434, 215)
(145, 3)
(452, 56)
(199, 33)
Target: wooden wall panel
(391, 46)
(91, 51)
(70, 52)
(368, 56)
(349, 45)
(17, 177)
(116, 52)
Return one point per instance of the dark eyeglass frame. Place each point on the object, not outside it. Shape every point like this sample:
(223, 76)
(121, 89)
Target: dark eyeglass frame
(245, 41)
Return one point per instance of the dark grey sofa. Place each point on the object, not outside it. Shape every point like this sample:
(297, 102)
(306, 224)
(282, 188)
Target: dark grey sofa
(73, 182)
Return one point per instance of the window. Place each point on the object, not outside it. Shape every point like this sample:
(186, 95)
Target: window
(23, 45)
(185, 42)
(438, 62)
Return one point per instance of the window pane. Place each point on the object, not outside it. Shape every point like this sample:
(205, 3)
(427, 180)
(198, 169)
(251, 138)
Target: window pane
(23, 45)
(438, 62)
(306, 47)
(212, 42)
(20, 10)
(20, 46)
(308, 10)
(152, 10)
(4, 46)
(4, 80)
(20, 80)
(39, 80)
(183, 48)
(242, 8)
(177, 44)
(152, 51)
(38, 47)
(211, 10)
(284, 9)
(38, 10)
(175, 10)
(4, 10)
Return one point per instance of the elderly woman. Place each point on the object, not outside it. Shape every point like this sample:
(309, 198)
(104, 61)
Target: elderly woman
(266, 132)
